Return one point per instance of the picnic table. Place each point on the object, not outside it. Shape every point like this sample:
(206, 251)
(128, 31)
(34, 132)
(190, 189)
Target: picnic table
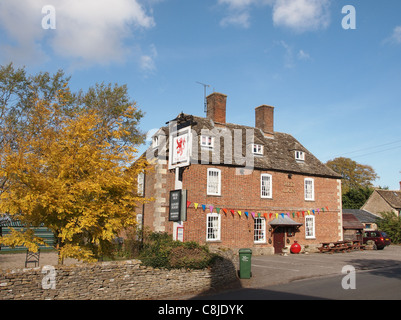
(341, 246)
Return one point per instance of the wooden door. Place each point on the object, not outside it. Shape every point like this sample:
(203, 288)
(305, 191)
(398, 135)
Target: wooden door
(279, 239)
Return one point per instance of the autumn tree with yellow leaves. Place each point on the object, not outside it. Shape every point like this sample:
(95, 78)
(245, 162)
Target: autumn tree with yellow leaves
(68, 162)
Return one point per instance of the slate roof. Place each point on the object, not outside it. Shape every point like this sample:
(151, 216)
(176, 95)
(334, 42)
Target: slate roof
(362, 215)
(351, 222)
(278, 153)
(393, 198)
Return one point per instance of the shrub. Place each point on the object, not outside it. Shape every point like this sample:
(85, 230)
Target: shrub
(161, 251)
(390, 224)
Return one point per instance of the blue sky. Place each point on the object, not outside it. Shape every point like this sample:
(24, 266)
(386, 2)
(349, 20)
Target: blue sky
(336, 90)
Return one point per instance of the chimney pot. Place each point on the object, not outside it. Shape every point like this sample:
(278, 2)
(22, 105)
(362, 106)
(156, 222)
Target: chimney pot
(264, 118)
(216, 107)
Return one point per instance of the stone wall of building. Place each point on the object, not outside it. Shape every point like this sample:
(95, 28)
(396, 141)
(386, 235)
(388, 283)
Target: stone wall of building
(124, 280)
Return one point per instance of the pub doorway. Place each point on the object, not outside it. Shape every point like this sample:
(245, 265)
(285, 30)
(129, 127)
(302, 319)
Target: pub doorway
(278, 239)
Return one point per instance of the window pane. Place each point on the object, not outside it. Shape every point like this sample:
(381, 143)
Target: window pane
(213, 182)
(266, 186)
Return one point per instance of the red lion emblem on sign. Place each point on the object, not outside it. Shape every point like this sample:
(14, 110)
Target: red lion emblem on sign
(180, 146)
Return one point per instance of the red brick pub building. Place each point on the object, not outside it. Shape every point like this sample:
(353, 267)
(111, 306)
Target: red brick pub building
(247, 187)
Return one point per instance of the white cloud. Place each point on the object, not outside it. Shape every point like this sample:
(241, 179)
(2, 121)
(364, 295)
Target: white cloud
(87, 31)
(238, 12)
(301, 15)
(396, 36)
(147, 61)
(302, 55)
(240, 19)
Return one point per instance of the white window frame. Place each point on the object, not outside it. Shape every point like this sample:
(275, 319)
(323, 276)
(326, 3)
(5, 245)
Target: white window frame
(257, 149)
(206, 142)
(213, 188)
(299, 155)
(213, 227)
(309, 194)
(259, 230)
(310, 227)
(266, 194)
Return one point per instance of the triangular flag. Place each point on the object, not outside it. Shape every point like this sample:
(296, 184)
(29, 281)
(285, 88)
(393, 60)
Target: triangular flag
(308, 212)
(203, 207)
(318, 211)
(288, 214)
(218, 210)
(258, 214)
(232, 212)
(253, 214)
(225, 210)
(239, 212)
(196, 205)
(327, 208)
(211, 209)
(246, 213)
(282, 215)
(188, 203)
(293, 214)
(265, 215)
(270, 215)
(298, 214)
(313, 211)
(276, 215)
(323, 209)
(303, 213)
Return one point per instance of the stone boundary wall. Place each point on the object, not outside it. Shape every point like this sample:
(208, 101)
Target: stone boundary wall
(123, 280)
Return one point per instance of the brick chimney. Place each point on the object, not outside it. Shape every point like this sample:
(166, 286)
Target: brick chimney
(216, 107)
(264, 119)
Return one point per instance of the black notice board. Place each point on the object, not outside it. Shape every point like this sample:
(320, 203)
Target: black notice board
(175, 205)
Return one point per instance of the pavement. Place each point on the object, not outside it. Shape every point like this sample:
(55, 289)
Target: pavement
(273, 270)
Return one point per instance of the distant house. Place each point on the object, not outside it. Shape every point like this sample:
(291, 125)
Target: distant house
(368, 219)
(384, 201)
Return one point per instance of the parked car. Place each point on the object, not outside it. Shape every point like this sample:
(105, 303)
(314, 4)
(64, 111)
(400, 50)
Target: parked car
(380, 238)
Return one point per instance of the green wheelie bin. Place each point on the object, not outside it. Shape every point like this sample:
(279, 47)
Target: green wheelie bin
(245, 256)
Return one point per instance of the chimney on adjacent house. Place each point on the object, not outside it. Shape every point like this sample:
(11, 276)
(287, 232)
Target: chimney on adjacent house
(264, 119)
(216, 107)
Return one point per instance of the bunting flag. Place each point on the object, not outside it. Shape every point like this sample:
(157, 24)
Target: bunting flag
(259, 215)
